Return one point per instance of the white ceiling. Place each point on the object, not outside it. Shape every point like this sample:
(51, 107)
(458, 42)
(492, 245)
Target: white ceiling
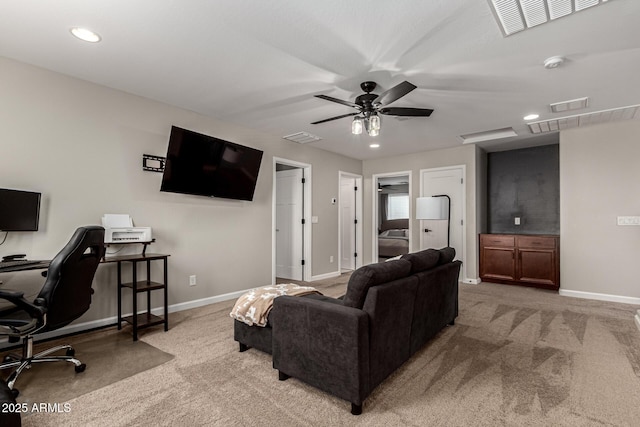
(259, 63)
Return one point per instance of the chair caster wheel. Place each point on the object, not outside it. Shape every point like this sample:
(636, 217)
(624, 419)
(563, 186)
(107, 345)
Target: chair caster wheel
(81, 368)
(71, 352)
(15, 392)
(7, 359)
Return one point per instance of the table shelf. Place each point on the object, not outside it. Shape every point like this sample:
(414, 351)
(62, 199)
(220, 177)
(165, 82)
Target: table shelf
(144, 286)
(145, 319)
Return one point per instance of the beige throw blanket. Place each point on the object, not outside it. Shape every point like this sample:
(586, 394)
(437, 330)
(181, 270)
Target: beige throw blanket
(254, 306)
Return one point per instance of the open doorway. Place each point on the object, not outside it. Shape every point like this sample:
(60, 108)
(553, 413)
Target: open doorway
(291, 228)
(392, 215)
(350, 222)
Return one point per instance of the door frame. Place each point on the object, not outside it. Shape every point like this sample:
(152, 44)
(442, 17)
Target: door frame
(463, 214)
(306, 216)
(374, 222)
(358, 213)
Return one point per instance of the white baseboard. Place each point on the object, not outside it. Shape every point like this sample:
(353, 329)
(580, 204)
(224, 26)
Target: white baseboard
(101, 323)
(637, 319)
(202, 302)
(600, 297)
(472, 281)
(325, 276)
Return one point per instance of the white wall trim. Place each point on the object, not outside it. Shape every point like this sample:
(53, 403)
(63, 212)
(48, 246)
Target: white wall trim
(325, 276)
(308, 194)
(464, 213)
(472, 281)
(359, 216)
(600, 297)
(374, 217)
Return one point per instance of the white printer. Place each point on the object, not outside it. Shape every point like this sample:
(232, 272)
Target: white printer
(118, 228)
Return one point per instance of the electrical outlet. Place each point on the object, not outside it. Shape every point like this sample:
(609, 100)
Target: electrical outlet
(331, 258)
(517, 220)
(192, 280)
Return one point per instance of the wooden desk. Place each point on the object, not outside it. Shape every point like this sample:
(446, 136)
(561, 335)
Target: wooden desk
(37, 265)
(137, 286)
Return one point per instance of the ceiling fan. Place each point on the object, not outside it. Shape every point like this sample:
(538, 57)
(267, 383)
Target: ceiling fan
(369, 105)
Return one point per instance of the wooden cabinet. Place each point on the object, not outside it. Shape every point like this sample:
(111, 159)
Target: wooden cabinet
(528, 260)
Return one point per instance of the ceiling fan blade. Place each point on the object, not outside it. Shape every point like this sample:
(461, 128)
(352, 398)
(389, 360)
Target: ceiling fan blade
(395, 93)
(407, 112)
(339, 101)
(335, 118)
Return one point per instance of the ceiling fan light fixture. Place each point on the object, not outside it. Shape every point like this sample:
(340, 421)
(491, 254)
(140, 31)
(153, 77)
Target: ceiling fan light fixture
(369, 106)
(374, 122)
(356, 126)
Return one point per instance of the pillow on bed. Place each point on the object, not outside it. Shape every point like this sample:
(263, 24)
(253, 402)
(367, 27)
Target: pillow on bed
(393, 233)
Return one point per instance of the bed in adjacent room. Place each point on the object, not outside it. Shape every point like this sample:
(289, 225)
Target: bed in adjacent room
(393, 238)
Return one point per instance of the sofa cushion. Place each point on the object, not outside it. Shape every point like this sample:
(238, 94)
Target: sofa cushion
(446, 255)
(423, 260)
(371, 275)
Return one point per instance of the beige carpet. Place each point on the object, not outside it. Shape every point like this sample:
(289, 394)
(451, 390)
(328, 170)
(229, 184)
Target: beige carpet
(109, 356)
(516, 356)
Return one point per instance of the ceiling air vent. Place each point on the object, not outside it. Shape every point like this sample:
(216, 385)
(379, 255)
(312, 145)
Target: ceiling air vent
(580, 120)
(574, 104)
(488, 135)
(517, 15)
(302, 137)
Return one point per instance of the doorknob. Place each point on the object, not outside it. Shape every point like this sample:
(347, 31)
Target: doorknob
(426, 230)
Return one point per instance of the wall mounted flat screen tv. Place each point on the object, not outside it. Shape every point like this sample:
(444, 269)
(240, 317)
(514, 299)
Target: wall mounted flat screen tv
(19, 210)
(206, 166)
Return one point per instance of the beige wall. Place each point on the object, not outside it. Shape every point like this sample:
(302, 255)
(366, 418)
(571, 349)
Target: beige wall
(599, 177)
(467, 155)
(81, 145)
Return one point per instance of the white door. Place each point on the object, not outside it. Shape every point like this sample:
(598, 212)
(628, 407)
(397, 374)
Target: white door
(347, 223)
(448, 182)
(289, 210)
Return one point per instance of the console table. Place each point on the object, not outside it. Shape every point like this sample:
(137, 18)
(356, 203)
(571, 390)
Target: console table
(137, 286)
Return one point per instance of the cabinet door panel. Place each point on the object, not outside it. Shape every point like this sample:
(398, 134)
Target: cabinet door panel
(537, 266)
(497, 240)
(541, 242)
(498, 263)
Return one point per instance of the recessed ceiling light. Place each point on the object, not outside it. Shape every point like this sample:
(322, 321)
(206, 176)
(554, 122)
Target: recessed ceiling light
(374, 145)
(86, 35)
(531, 117)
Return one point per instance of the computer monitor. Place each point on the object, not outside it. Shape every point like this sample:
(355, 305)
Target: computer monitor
(19, 210)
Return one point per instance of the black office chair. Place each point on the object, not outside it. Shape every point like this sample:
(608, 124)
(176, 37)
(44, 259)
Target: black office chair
(65, 296)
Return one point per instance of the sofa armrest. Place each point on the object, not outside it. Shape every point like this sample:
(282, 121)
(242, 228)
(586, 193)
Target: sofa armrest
(323, 344)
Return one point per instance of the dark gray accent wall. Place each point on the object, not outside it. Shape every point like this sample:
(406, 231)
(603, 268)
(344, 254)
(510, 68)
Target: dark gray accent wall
(524, 183)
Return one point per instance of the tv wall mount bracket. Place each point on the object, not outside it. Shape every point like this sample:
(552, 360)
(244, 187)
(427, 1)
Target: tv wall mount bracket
(153, 163)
